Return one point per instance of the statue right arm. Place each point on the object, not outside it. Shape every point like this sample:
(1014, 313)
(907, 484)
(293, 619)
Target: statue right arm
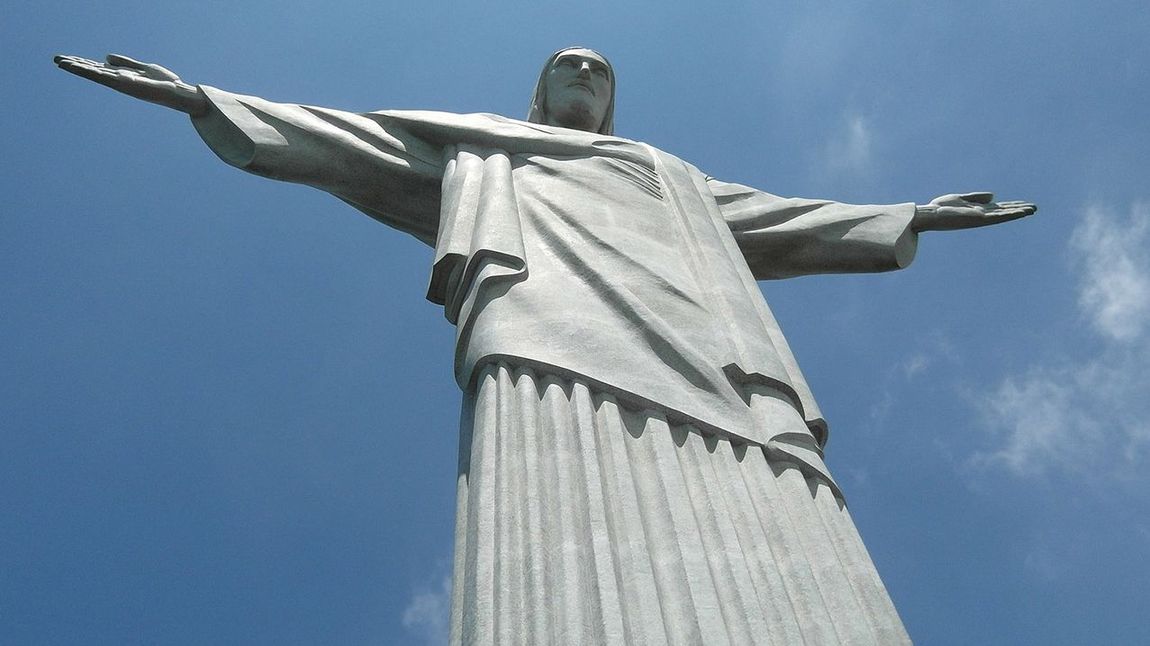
(370, 161)
(145, 81)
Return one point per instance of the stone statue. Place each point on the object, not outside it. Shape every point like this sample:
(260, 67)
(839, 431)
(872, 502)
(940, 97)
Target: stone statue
(640, 457)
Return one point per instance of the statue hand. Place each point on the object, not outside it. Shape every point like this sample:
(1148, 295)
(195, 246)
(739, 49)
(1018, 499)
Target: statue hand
(145, 81)
(967, 211)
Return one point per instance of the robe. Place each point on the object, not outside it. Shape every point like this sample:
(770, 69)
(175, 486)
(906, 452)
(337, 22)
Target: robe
(604, 295)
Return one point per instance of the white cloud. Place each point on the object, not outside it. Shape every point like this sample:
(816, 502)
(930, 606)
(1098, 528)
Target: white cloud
(428, 614)
(1041, 423)
(1113, 254)
(1088, 412)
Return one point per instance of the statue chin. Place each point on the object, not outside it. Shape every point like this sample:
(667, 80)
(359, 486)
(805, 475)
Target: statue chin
(577, 116)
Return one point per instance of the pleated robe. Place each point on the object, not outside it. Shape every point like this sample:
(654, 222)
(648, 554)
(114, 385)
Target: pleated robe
(640, 456)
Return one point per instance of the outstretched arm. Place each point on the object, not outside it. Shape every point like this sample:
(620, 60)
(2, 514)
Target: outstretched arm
(784, 237)
(370, 161)
(146, 81)
(966, 211)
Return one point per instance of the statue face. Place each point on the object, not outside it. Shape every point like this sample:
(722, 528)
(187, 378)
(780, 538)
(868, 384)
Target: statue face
(578, 90)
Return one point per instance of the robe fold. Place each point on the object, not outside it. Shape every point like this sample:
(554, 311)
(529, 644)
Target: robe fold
(593, 256)
(608, 267)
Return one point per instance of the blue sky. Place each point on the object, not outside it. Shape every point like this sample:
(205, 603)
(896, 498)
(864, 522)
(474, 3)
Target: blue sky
(228, 413)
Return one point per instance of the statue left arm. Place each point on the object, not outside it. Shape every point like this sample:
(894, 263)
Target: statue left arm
(783, 237)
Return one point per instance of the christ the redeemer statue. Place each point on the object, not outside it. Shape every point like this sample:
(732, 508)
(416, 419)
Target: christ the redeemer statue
(640, 457)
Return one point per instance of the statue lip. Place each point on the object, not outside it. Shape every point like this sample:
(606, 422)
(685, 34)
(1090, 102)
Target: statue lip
(583, 84)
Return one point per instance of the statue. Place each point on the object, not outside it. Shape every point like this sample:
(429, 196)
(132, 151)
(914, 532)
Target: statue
(640, 457)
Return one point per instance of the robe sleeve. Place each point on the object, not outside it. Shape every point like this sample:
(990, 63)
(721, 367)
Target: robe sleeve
(370, 161)
(783, 237)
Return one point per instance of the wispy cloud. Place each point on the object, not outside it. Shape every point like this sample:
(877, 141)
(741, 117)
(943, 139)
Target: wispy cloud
(1086, 411)
(1040, 423)
(1115, 261)
(915, 364)
(849, 151)
(932, 350)
(428, 614)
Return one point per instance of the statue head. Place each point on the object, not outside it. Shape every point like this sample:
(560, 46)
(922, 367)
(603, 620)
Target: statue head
(576, 89)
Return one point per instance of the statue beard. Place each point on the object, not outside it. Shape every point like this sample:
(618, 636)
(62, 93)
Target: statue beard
(576, 115)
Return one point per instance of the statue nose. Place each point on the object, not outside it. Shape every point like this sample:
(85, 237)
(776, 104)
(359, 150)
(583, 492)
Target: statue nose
(585, 69)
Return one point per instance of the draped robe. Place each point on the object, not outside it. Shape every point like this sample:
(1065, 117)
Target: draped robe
(614, 277)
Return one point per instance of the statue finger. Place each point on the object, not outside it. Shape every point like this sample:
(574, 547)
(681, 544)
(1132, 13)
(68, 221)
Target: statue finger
(66, 59)
(72, 63)
(159, 71)
(123, 61)
(978, 197)
(1010, 214)
(90, 70)
(1015, 204)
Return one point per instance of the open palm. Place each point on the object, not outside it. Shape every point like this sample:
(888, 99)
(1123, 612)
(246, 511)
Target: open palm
(145, 81)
